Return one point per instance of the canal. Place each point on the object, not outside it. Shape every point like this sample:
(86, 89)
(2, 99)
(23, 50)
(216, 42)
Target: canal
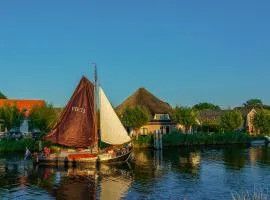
(205, 173)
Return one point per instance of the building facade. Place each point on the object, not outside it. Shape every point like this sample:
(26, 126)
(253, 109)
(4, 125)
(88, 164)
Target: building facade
(160, 123)
(159, 110)
(24, 106)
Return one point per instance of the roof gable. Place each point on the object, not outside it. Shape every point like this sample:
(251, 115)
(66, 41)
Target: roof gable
(144, 98)
(22, 105)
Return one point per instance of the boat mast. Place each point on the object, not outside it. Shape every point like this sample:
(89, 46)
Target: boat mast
(96, 103)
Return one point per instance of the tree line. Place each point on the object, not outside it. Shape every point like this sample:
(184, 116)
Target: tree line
(44, 117)
(230, 121)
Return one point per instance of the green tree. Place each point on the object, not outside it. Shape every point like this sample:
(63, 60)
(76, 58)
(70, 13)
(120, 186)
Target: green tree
(261, 122)
(185, 116)
(267, 107)
(254, 103)
(135, 117)
(231, 120)
(2, 96)
(43, 117)
(206, 106)
(11, 116)
(210, 125)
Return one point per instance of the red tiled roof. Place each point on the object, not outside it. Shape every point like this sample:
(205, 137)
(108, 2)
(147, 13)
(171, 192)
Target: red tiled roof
(22, 105)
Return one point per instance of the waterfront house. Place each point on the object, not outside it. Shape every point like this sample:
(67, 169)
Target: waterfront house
(24, 106)
(248, 114)
(209, 120)
(213, 117)
(160, 112)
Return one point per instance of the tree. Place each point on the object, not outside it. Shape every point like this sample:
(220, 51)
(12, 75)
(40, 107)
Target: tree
(261, 122)
(267, 107)
(206, 106)
(135, 117)
(43, 117)
(11, 116)
(2, 96)
(210, 125)
(254, 103)
(185, 116)
(231, 120)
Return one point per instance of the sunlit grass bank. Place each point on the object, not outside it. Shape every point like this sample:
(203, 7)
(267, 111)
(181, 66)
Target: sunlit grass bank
(198, 139)
(21, 145)
(18, 146)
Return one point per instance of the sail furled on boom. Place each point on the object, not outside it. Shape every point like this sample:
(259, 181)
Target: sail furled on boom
(112, 130)
(76, 125)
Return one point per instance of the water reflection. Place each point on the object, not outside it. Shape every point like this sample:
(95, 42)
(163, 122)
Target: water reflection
(234, 158)
(167, 174)
(22, 180)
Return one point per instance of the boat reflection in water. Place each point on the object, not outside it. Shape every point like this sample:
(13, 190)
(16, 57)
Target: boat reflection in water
(82, 182)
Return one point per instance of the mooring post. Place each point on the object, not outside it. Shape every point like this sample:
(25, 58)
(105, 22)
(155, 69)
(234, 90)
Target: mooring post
(161, 141)
(158, 144)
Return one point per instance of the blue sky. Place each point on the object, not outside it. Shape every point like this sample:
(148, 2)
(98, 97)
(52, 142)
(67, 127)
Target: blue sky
(184, 52)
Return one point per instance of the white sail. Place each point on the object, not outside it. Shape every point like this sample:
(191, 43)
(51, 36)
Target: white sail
(112, 130)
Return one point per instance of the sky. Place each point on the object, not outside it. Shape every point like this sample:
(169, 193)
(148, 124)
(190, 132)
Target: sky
(184, 52)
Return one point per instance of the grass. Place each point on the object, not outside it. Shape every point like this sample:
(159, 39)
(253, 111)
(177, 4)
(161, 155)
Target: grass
(199, 139)
(20, 145)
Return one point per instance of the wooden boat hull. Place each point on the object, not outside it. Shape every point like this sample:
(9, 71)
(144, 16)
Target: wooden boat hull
(117, 159)
(76, 161)
(71, 159)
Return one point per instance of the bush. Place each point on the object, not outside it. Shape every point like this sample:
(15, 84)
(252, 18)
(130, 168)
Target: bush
(18, 146)
(135, 117)
(231, 121)
(179, 139)
(261, 122)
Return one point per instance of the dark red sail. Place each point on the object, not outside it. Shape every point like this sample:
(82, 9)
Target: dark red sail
(76, 126)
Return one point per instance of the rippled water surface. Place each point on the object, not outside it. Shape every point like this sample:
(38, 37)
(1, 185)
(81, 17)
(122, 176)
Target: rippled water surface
(171, 174)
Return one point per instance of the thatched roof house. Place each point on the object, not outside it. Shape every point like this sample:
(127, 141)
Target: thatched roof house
(160, 111)
(205, 115)
(144, 98)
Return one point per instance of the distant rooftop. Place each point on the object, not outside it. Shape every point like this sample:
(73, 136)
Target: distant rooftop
(142, 97)
(22, 105)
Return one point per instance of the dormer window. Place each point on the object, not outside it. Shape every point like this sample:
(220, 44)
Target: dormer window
(162, 117)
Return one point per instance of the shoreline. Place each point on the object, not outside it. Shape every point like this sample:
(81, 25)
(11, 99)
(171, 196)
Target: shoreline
(172, 140)
(180, 140)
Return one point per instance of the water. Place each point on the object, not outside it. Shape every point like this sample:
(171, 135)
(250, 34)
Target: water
(171, 174)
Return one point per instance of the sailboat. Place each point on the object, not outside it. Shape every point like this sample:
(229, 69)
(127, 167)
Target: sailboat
(76, 130)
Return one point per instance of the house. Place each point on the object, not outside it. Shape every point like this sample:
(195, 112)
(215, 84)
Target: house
(160, 111)
(213, 116)
(24, 106)
(248, 115)
(209, 120)
(160, 122)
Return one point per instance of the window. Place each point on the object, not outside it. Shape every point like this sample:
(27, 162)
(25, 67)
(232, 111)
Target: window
(161, 117)
(144, 131)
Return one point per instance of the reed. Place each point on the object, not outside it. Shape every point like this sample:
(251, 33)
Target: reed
(18, 146)
(256, 194)
(199, 139)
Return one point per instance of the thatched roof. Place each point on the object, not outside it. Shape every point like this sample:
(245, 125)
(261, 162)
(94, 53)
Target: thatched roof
(205, 115)
(245, 111)
(144, 98)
